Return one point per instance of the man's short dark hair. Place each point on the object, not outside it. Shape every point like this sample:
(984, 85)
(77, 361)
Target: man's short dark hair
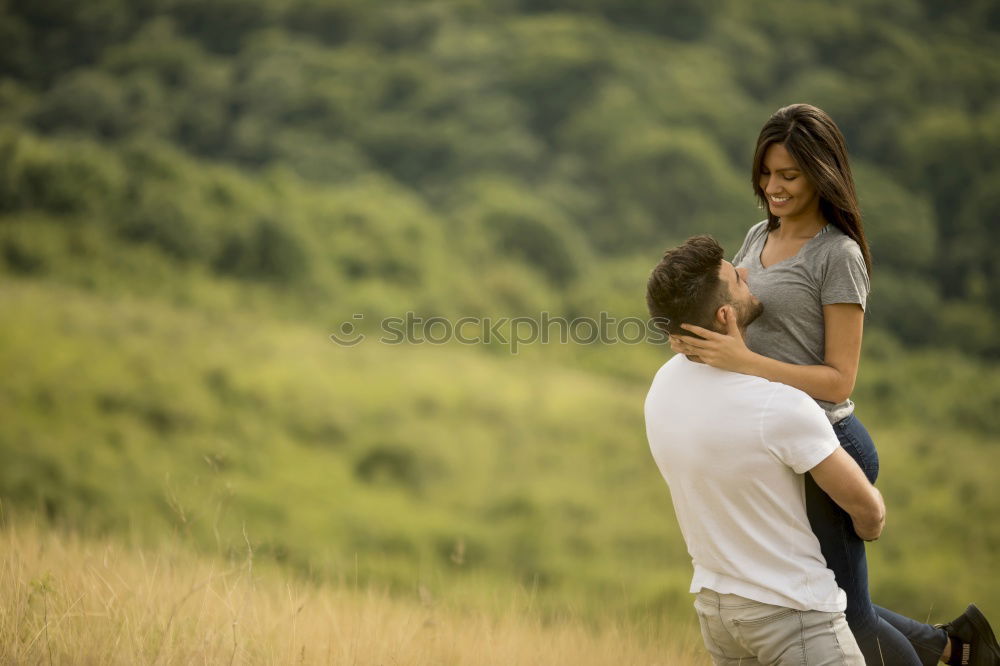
(685, 288)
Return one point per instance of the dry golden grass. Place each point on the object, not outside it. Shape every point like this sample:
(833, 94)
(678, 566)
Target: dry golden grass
(65, 600)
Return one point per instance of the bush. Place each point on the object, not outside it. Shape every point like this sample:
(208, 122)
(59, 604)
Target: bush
(270, 253)
(899, 224)
(58, 177)
(167, 222)
(88, 101)
(391, 464)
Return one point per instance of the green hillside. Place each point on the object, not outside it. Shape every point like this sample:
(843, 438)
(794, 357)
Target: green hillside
(195, 195)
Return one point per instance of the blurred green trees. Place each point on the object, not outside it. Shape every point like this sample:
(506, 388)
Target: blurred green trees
(605, 128)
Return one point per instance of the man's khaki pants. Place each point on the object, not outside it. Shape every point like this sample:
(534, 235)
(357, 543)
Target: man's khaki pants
(742, 632)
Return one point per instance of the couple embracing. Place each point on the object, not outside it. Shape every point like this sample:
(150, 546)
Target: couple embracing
(752, 426)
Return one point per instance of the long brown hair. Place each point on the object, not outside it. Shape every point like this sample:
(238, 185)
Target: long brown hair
(815, 143)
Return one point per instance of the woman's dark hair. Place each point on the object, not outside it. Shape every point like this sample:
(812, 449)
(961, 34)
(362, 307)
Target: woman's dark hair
(685, 286)
(815, 143)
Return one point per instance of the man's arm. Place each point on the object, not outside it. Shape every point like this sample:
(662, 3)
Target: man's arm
(841, 478)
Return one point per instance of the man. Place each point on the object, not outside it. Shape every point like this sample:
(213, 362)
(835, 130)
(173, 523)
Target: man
(733, 449)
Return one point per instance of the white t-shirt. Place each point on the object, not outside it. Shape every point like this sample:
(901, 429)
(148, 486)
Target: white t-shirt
(733, 449)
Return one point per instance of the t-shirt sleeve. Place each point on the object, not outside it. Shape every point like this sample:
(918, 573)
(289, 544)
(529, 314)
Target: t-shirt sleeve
(747, 242)
(845, 280)
(795, 429)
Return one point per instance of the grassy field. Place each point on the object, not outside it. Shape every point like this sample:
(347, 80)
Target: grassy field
(437, 465)
(451, 469)
(68, 600)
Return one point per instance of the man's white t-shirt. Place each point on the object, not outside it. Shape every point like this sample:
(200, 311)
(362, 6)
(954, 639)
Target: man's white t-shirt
(733, 449)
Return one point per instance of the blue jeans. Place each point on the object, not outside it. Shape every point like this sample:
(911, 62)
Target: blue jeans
(883, 636)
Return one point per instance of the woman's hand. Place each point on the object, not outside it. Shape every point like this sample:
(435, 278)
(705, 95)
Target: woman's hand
(719, 350)
(680, 347)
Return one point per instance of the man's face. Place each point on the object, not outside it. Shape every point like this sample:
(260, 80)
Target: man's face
(743, 301)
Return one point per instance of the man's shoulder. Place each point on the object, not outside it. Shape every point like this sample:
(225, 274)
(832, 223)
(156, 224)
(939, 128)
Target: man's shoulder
(670, 371)
(785, 398)
(776, 399)
(683, 373)
(790, 409)
(773, 400)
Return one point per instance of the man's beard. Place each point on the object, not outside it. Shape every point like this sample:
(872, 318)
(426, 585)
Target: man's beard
(746, 312)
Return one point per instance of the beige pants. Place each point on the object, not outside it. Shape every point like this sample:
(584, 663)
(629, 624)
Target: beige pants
(742, 632)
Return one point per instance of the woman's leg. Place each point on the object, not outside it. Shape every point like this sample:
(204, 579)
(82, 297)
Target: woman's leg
(928, 641)
(880, 642)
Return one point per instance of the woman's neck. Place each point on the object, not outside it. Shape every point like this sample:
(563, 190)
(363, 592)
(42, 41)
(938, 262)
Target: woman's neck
(799, 227)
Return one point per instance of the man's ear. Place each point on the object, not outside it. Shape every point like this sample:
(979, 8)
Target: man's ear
(723, 314)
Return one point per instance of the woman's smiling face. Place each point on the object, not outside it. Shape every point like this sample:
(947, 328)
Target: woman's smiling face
(789, 192)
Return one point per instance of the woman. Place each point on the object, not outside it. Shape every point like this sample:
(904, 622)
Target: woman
(809, 264)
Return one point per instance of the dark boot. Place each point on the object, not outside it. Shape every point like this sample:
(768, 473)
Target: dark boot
(972, 640)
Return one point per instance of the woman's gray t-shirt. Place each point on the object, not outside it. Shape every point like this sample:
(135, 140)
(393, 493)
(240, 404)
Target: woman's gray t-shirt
(828, 269)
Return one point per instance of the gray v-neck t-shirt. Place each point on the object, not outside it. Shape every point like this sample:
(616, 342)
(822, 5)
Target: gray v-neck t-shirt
(828, 269)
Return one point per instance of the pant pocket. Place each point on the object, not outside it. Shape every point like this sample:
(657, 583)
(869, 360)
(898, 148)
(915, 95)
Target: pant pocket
(827, 640)
(775, 637)
(718, 641)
